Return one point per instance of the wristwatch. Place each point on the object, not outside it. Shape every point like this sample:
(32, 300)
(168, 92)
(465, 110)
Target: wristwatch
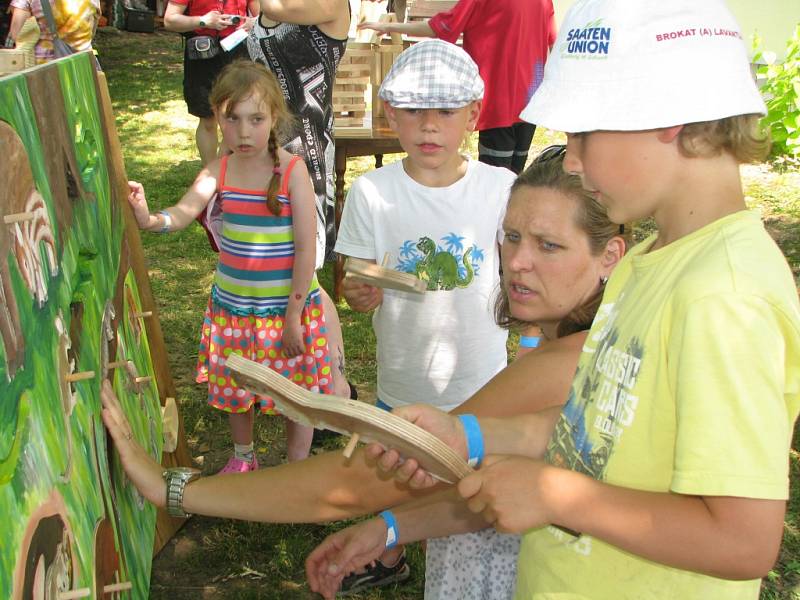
(202, 23)
(177, 478)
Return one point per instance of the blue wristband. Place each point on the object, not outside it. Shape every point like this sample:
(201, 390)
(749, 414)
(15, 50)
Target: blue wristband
(472, 431)
(529, 341)
(391, 528)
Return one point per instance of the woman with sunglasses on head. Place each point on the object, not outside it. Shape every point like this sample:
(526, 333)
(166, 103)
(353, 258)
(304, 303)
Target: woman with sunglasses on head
(558, 249)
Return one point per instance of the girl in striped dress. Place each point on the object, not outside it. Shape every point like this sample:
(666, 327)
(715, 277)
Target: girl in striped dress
(265, 301)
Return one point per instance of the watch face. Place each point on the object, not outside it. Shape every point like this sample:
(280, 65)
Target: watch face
(185, 470)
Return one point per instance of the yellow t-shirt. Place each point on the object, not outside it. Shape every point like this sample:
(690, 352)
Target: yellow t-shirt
(689, 382)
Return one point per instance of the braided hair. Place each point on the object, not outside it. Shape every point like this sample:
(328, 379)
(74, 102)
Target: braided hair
(275, 180)
(238, 81)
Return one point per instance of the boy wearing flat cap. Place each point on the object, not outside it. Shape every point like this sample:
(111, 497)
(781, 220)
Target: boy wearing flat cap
(437, 215)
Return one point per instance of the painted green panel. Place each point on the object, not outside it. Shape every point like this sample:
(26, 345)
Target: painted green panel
(72, 520)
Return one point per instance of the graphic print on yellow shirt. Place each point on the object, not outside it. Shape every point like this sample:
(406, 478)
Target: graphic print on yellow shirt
(609, 386)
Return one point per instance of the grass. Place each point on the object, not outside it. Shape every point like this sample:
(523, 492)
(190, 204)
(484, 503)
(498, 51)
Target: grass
(215, 558)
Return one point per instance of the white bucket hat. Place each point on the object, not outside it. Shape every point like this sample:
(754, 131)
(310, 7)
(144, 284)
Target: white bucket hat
(632, 65)
(432, 74)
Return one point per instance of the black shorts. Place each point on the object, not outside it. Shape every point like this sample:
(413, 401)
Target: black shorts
(506, 146)
(199, 76)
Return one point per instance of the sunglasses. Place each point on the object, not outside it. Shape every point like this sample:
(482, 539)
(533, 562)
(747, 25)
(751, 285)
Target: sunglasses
(551, 153)
(557, 151)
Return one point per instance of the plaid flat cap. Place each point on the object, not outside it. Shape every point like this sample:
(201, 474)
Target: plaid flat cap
(432, 74)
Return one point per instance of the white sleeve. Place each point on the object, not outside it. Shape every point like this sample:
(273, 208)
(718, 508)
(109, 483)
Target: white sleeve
(356, 236)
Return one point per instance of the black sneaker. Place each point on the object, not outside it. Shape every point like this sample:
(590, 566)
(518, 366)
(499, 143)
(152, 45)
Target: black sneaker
(376, 575)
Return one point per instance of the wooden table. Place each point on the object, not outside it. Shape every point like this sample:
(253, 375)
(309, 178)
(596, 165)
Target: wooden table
(379, 143)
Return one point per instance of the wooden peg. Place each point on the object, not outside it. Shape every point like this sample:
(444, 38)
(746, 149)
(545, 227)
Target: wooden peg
(118, 364)
(18, 217)
(143, 314)
(385, 261)
(351, 445)
(73, 377)
(169, 425)
(117, 587)
(144, 379)
(71, 594)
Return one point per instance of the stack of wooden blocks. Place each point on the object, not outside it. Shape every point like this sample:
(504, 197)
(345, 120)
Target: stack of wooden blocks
(359, 76)
(353, 78)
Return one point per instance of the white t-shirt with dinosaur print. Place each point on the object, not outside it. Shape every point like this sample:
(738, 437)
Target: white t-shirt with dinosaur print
(439, 347)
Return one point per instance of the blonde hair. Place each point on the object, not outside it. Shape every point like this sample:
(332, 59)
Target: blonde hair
(742, 136)
(237, 82)
(590, 217)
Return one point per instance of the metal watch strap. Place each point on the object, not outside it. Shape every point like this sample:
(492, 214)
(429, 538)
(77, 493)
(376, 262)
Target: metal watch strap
(176, 484)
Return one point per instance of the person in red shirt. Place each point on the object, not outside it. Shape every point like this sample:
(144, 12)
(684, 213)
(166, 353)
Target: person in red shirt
(214, 18)
(509, 40)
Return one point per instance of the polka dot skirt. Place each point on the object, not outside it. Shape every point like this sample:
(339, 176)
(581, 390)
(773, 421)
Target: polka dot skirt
(259, 338)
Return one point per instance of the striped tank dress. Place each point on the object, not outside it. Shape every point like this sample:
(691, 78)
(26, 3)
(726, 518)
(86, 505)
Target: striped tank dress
(246, 310)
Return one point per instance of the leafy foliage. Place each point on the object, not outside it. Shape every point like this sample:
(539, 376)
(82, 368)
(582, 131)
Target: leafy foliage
(781, 90)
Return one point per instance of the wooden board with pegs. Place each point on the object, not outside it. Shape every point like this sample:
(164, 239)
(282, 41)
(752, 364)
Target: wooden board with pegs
(351, 417)
(382, 277)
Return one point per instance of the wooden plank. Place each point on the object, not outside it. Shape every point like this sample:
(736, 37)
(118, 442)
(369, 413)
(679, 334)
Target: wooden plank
(383, 277)
(370, 12)
(353, 81)
(351, 417)
(425, 9)
(349, 108)
(353, 131)
(11, 61)
(166, 526)
(347, 96)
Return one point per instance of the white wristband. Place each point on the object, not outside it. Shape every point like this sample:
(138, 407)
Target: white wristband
(167, 221)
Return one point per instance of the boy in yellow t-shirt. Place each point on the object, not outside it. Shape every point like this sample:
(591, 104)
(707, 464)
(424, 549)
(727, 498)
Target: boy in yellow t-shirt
(670, 456)
(666, 471)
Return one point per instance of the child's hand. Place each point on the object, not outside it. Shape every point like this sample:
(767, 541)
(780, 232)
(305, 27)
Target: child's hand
(444, 426)
(360, 296)
(343, 552)
(381, 28)
(139, 204)
(292, 341)
(512, 492)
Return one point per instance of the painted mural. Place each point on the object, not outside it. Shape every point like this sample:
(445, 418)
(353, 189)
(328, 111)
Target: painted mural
(70, 315)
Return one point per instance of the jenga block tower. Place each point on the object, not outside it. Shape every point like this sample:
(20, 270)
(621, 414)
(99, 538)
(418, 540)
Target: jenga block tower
(353, 78)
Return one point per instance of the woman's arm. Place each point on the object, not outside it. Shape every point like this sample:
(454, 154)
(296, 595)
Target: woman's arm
(334, 13)
(327, 486)
(304, 227)
(18, 18)
(175, 19)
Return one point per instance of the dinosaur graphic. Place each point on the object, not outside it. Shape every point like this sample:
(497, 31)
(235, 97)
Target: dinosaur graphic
(440, 268)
